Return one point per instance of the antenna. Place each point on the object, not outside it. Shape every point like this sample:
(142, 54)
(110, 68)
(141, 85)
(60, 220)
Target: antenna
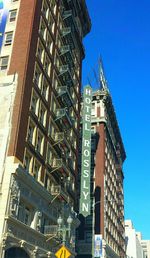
(102, 78)
(95, 76)
(89, 82)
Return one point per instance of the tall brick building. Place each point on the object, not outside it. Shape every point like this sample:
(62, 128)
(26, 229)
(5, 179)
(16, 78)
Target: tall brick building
(107, 198)
(40, 78)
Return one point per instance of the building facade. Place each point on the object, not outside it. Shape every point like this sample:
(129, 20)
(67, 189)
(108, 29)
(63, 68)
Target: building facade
(106, 222)
(146, 247)
(40, 78)
(133, 241)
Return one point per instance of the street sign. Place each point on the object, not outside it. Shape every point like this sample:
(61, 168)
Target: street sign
(63, 252)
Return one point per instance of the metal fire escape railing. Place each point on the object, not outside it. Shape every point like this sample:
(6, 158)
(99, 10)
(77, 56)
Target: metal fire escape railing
(59, 190)
(62, 115)
(65, 75)
(69, 20)
(61, 138)
(66, 53)
(65, 96)
(59, 164)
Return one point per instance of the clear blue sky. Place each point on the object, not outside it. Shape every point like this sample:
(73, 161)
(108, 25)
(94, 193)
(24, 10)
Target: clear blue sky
(121, 34)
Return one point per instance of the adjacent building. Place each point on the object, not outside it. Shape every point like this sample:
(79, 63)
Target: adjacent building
(146, 247)
(136, 247)
(40, 79)
(133, 241)
(105, 226)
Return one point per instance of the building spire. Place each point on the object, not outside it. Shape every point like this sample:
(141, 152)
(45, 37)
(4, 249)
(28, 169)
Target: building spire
(102, 78)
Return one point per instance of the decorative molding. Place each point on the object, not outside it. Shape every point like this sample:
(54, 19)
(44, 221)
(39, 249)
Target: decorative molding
(14, 198)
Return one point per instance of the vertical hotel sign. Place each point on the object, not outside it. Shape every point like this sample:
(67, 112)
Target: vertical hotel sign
(85, 197)
(3, 18)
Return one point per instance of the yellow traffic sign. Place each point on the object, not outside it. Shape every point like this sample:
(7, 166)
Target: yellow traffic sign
(63, 252)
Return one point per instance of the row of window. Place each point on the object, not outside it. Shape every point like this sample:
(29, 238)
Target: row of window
(37, 139)
(111, 243)
(43, 85)
(34, 167)
(8, 39)
(39, 108)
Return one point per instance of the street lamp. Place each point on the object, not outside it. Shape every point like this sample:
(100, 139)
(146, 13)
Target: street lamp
(63, 228)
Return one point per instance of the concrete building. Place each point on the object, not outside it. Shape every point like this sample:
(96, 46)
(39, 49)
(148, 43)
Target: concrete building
(133, 241)
(108, 154)
(146, 247)
(40, 79)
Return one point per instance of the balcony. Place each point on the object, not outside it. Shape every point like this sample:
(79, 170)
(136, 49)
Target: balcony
(121, 229)
(69, 19)
(119, 192)
(65, 51)
(120, 203)
(59, 191)
(68, 34)
(62, 116)
(62, 139)
(59, 164)
(50, 230)
(64, 96)
(65, 75)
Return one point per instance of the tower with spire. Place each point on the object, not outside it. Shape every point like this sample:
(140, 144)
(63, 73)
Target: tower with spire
(108, 156)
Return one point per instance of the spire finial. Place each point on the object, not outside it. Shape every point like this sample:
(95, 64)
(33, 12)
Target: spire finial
(102, 78)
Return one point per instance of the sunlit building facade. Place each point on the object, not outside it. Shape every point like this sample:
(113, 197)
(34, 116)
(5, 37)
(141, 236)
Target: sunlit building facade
(40, 79)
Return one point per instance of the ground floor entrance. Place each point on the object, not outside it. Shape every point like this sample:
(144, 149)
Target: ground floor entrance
(16, 252)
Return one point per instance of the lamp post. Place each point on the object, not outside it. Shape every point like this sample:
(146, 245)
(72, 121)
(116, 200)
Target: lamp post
(63, 228)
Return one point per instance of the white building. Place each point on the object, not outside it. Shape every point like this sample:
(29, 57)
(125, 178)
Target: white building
(146, 247)
(133, 241)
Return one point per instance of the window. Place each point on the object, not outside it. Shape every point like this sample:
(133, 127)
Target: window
(47, 65)
(28, 162)
(37, 76)
(8, 38)
(43, 29)
(55, 82)
(93, 129)
(40, 143)
(35, 103)
(51, 23)
(36, 170)
(42, 176)
(40, 51)
(4, 62)
(45, 9)
(12, 15)
(53, 104)
(45, 89)
(31, 132)
(49, 43)
(93, 109)
(24, 214)
(53, 5)
(49, 154)
(52, 129)
(58, 61)
(42, 115)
